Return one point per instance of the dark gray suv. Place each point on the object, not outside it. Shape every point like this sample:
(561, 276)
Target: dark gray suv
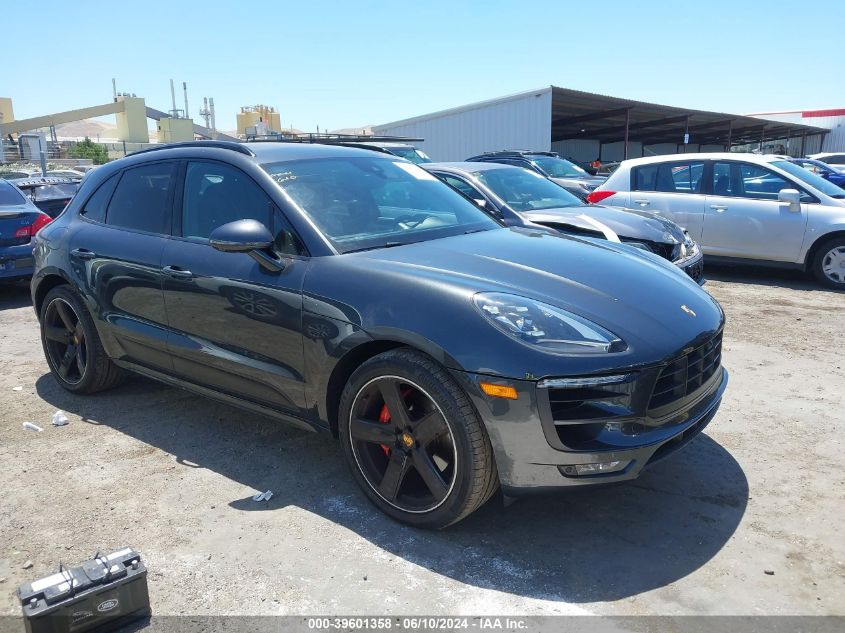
(351, 292)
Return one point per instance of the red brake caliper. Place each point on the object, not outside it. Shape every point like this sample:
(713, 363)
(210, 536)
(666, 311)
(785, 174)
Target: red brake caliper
(384, 418)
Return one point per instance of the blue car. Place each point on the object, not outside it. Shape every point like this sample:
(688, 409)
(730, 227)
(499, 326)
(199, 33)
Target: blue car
(20, 220)
(822, 169)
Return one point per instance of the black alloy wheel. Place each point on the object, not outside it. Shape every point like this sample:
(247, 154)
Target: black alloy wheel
(402, 444)
(65, 342)
(72, 345)
(413, 440)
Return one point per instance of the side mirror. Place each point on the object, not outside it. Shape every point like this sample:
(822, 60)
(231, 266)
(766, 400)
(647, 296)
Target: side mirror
(246, 236)
(241, 236)
(791, 197)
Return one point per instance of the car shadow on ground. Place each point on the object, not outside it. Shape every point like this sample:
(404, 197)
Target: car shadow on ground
(14, 295)
(763, 276)
(581, 546)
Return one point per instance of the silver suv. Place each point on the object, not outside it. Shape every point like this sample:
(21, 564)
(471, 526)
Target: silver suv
(744, 208)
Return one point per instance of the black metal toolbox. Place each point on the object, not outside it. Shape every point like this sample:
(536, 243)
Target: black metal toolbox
(106, 591)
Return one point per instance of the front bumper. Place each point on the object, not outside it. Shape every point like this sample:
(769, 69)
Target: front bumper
(693, 266)
(531, 455)
(16, 262)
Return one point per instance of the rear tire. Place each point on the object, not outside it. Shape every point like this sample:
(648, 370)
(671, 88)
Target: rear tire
(828, 263)
(387, 440)
(72, 346)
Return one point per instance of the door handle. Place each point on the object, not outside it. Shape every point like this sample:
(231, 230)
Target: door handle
(642, 203)
(177, 273)
(718, 208)
(83, 253)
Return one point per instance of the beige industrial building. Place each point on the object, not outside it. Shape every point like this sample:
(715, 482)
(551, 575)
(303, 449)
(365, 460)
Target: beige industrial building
(258, 119)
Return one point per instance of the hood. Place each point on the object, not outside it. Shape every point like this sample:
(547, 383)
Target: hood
(626, 223)
(636, 295)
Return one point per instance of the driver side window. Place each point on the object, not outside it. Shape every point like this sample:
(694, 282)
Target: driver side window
(216, 194)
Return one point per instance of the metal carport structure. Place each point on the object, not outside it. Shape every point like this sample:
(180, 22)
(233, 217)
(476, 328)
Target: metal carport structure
(583, 115)
(588, 126)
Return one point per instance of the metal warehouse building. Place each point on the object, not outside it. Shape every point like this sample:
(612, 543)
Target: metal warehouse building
(585, 127)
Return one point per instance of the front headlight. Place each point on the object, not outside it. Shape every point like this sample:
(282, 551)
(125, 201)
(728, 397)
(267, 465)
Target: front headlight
(689, 248)
(546, 327)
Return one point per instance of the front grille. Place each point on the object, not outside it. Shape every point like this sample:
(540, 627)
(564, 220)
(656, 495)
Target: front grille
(696, 270)
(685, 376)
(666, 251)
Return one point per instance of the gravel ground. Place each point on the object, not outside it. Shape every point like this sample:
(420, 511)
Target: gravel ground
(746, 520)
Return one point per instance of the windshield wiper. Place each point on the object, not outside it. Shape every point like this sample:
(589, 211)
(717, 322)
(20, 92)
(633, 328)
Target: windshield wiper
(475, 231)
(373, 248)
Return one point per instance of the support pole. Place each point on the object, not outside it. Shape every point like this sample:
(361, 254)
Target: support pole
(730, 133)
(803, 143)
(627, 123)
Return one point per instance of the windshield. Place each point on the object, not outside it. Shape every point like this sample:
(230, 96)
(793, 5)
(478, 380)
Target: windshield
(525, 190)
(411, 153)
(363, 203)
(826, 187)
(9, 195)
(558, 167)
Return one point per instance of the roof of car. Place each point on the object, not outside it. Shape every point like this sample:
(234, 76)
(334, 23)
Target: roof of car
(467, 166)
(663, 158)
(262, 151)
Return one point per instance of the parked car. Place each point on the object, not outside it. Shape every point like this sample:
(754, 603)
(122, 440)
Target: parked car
(743, 208)
(72, 174)
(51, 195)
(516, 194)
(834, 159)
(14, 174)
(404, 150)
(569, 175)
(447, 352)
(821, 169)
(20, 220)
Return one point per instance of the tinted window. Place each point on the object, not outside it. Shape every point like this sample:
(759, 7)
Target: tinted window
(760, 183)
(559, 168)
(722, 180)
(216, 194)
(95, 208)
(372, 202)
(743, 180)
(669, 177)
(411, 153)
(462, 186)
(140, 201)
(9, 194)
(286, 242)
(525, 190)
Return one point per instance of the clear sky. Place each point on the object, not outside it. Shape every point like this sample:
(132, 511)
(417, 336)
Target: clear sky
(357, 62)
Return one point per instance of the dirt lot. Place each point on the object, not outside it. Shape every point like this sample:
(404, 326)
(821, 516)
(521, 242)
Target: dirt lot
(173, 475)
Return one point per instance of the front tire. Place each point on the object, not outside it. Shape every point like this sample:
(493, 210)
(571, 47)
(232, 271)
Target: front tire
(72, 346)
(414, 442)
(829, 263)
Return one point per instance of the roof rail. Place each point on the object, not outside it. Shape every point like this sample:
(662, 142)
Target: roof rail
(311, 137)
(517, 152)
(232, 145)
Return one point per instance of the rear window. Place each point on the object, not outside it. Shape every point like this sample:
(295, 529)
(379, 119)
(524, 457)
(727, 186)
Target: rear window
(668, 177)
(10, 195)
(95, 208)
(140, 201)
